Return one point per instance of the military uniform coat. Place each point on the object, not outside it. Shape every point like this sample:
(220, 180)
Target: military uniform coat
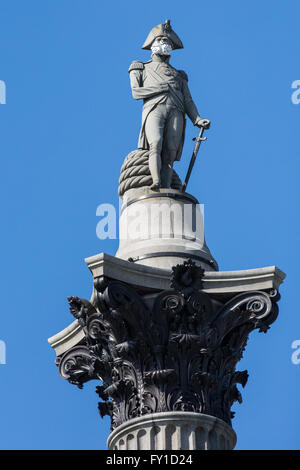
(157, 82)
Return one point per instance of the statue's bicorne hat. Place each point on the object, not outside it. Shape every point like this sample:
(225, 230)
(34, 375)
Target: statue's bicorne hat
(163, 30)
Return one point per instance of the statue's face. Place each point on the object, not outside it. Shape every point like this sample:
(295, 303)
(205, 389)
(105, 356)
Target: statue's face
(162, 45)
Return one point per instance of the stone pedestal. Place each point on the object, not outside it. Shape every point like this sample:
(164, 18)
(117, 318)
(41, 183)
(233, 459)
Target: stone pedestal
(173, 431)
(163, 229)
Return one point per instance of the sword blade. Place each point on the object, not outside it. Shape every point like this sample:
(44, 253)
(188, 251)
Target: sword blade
(193, 159)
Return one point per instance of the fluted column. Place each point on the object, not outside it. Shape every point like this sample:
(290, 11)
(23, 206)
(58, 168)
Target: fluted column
(173, 431)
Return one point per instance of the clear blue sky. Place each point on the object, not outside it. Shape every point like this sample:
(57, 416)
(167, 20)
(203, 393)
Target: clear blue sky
(69, 122)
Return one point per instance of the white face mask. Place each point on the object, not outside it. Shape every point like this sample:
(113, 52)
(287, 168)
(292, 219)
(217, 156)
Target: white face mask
(162, 47)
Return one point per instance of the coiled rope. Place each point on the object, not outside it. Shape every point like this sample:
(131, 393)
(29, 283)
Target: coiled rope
(135, 172)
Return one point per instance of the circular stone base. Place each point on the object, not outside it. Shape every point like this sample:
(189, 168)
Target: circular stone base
(162, 229)
(173, 430)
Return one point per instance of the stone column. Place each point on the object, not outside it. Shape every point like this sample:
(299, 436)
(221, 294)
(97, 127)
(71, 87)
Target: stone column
(164, 330)
(174, 430)
(164, 346)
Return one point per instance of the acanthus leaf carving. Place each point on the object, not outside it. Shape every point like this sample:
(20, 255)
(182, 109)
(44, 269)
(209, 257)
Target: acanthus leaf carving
(180, 356)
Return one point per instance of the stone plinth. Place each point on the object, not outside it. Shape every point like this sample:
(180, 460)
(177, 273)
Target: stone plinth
(163, 229)
(173, 431)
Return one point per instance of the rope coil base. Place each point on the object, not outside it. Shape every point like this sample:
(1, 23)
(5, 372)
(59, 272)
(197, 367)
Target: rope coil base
(135, 173)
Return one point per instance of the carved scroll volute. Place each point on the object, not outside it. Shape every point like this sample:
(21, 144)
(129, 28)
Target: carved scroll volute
(77, 366)
(256, 309)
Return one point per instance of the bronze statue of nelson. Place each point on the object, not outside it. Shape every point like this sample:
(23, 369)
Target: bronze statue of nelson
(167, 100)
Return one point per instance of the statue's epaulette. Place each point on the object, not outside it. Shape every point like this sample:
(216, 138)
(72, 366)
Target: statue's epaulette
(136, 65)
(184, 75)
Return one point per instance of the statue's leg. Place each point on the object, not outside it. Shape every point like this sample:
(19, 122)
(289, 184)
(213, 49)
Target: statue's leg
(172, 141)
(154, 129)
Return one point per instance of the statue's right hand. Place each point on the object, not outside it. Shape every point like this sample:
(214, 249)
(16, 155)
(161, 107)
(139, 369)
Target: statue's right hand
(200, 122)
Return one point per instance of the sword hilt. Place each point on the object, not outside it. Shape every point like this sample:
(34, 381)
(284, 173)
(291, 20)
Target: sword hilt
(200, 138)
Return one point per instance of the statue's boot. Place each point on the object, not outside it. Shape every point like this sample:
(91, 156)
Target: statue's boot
(155, 186)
